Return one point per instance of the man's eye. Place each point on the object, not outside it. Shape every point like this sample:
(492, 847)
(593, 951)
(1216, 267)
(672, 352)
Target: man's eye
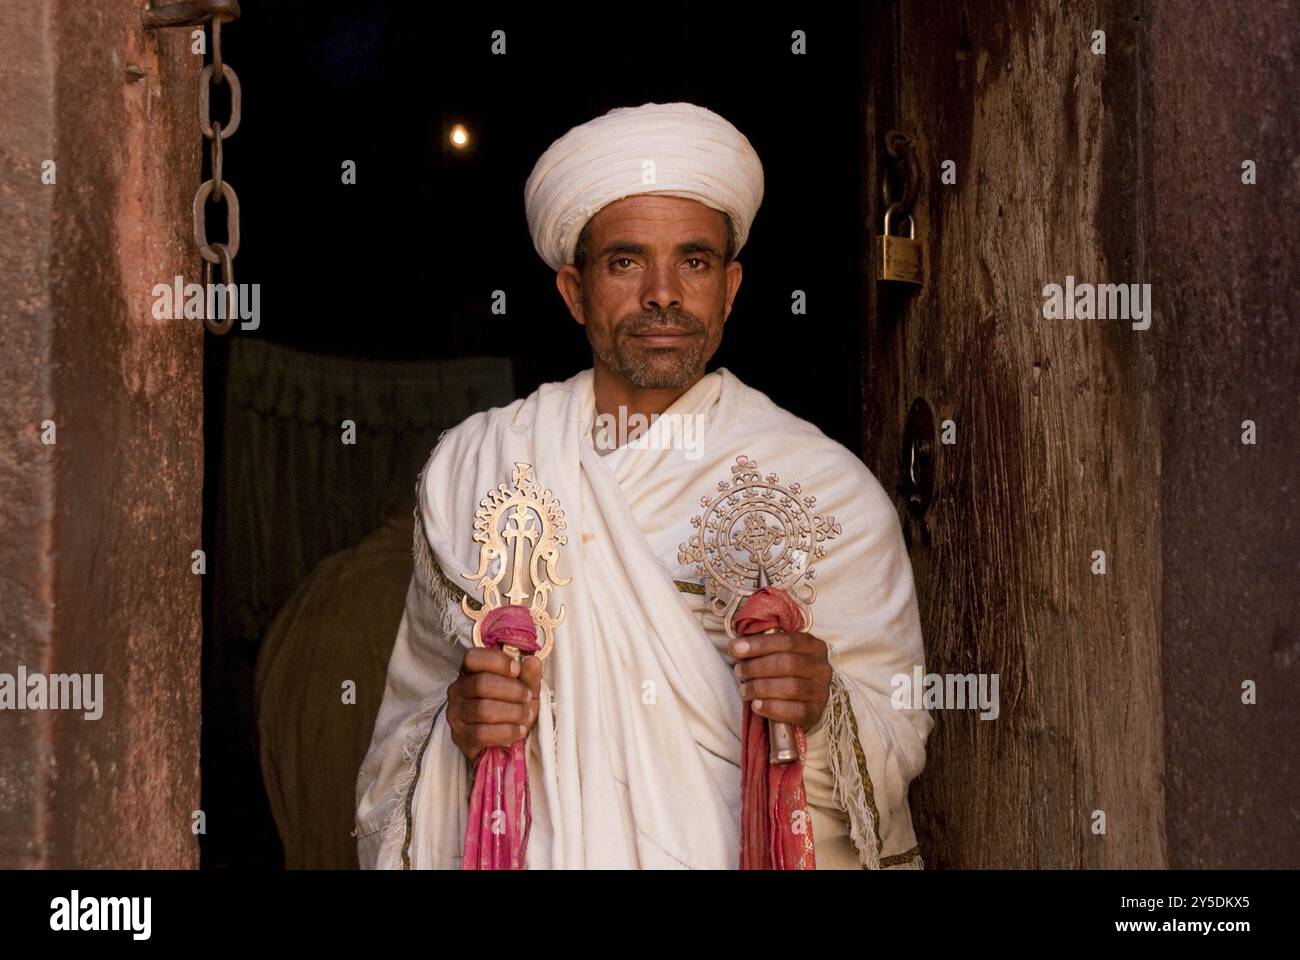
(700, 260)
(620, 261)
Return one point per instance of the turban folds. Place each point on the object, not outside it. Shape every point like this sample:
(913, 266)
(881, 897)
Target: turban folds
(669, 149)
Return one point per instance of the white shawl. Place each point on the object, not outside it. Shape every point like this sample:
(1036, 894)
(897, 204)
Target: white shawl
(620, 778)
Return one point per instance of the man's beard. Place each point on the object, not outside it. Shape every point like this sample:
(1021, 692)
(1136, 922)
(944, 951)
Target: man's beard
(657, 368)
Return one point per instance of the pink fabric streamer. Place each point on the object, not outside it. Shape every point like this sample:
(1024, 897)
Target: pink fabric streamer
(500, 812)
(775, 827)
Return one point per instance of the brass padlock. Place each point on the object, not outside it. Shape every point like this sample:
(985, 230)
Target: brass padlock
(900, 257)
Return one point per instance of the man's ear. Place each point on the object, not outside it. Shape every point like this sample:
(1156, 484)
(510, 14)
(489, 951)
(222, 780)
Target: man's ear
(734, 273)
(569, 282)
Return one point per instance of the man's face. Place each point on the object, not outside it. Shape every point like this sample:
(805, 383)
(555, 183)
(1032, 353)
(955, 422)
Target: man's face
(655, 292)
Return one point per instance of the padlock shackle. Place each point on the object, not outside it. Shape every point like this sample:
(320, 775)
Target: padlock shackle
(911, 223)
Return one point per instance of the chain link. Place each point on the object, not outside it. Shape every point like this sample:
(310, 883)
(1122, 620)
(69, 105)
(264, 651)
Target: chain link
(230, 296)
(228, 197)
(218, 257)
(216, 158)
(208, 80)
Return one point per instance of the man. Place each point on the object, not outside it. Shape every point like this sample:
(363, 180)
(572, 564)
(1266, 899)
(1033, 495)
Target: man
(633, 723)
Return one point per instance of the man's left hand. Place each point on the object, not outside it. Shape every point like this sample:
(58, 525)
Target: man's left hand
(785, 676)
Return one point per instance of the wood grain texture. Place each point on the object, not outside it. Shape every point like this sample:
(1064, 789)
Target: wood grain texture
(1057, 448)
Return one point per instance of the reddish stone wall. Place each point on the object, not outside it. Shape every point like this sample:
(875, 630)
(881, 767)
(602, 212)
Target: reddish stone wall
(96, 530)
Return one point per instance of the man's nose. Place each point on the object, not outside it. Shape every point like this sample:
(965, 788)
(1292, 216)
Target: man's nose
(662, 288)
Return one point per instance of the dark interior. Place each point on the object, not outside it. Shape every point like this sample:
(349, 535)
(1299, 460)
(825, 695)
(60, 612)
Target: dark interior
(400, 267)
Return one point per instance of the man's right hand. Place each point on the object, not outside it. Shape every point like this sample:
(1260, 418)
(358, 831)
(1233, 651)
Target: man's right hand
(494, 701)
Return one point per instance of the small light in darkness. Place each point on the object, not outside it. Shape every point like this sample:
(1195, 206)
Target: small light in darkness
(459, 136)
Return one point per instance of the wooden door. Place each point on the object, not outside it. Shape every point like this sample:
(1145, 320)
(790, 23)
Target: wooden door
(1054, 430)
(1123, 143)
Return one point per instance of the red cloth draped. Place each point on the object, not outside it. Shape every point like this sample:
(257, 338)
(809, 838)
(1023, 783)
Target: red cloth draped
(775, 827)
(500, 814)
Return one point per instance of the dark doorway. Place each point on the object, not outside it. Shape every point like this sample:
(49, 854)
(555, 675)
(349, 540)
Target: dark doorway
(399, 269)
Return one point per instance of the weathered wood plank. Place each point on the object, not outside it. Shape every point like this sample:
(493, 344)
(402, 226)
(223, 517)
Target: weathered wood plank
(1057, 449)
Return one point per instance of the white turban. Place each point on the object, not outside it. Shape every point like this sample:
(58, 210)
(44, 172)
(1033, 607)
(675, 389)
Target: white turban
(669, 149)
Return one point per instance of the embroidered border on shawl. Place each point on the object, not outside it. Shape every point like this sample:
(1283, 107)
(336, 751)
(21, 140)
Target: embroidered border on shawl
(899, 858)
(397, 824)
(853, 787)
(415, 779)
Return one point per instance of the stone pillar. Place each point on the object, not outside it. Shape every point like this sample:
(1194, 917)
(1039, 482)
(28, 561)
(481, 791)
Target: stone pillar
(97, 528)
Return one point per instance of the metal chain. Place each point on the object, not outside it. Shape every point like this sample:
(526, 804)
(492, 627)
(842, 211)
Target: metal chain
(218, 255)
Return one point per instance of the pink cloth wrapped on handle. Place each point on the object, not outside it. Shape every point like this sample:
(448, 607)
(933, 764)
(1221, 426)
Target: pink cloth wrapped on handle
(775, 827)
(500, 815)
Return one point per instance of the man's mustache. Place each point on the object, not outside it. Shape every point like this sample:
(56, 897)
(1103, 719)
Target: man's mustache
(648, 323)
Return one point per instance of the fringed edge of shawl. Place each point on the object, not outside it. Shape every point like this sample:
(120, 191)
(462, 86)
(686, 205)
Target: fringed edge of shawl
(398, 824)
(848, 765)
(396, 831)
(437, 586)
